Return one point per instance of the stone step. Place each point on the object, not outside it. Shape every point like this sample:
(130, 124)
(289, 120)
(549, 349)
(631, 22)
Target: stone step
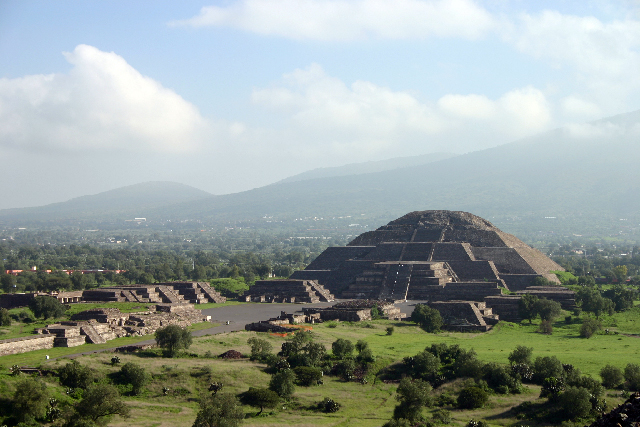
(92, 335)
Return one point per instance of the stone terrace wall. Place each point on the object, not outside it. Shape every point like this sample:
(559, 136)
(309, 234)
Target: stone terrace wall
(22, 345)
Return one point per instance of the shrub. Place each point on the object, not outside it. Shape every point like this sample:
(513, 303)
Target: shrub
(546, 367)
(282, 383)
(307, 376)
(173, 338)
(328, 405)
(219, 410)
(342, 348)
(589, 327)
(545, 327)
(441, 416)
(332, 324)
(5, 318)
(424, 365)
(30, 399)
(390, 330)
(521, 354)
(46, 307)
(366, 356)
(75, 375)
(472, 397)
(260, 348)
(611, 376)
(413, 395)
(134, 374)
(632, 376)
(345, 369)
(499, 379)
(428, 318)
(575, 402)
(260, 398)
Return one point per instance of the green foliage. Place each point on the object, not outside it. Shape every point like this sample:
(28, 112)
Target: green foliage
(98, 404)
(546, 367)
(545, 327)
(173, 338)
(521, 354)
(30, 399)
(472, 397)
(260, 348)
(611, 376)
(413, 395)
(390, 330)
(134, 374)
(342, 348)
(282, 382)
(428, 318)
(5, 318)
(230, 287)
(307, 375)
(575, 403)
(260, 398)
(46, 307)
(74, 375)
(499, 378)
(632, 376)
(526, 307)
(589, 327)
(547, 309)
(591, 300)
(621, 296)
(345, 369)
(329, 405)
(441, 416)
(424, 365)
(221, 410)
(566, 278)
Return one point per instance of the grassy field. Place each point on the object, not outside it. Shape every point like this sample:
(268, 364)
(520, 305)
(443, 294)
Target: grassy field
(363, 405)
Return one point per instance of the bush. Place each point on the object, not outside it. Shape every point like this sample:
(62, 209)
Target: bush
(307, 376)
(499, 379)
(219, 410)
(30, 399)
(342, 348)
(260, 349)
(546, 367)
(5, 318)
(134, 374)
(441, 416)
(424, 365)
(428, 318)
(521, 354)
(173, 338)
(328, 405)
(75, 375)
(545, 327)
(390, 330)
(611, 376)
(575, 403)
(472, 397)
(632, 376)
(46, 307)
(413, 395)
(260, 398)
(589, 327)
(282, 383)
(345, 369)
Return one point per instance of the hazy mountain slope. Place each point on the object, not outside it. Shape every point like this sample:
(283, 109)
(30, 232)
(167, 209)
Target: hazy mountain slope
(369, 167)
(134, 200)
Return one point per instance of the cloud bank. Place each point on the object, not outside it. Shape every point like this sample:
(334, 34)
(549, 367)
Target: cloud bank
(101, 104)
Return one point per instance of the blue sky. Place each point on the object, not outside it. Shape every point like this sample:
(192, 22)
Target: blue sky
(232, 95)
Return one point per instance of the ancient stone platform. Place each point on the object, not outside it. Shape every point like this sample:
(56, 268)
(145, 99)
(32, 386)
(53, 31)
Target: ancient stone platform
(302, 291)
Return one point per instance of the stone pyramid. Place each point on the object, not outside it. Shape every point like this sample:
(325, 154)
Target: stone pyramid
(435, 255)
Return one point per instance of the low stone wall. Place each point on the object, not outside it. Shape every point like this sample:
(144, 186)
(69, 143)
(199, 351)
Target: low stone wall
(22, 345)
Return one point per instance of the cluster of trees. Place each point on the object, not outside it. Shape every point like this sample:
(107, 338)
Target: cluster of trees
(91, 400)
(603, 263)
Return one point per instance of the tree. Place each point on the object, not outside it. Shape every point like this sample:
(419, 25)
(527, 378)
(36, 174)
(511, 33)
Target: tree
(221, 410)
(521, 354)
(46, 307)
(547, 309)
(413, 395)
(428, 318)
(134, 374)
(307, 375)
(5, 318)
(75, 375)
(621, 296)
(173, 338)
(424, 365)
(589, 327)
(282, 383)
(620, 272)
(591, 300)
(526, 307)
(472, 397)
(575, 402)
(260, 398)
(611, 376)
(632, 376)
(99, 403)
(260, 348)
(342, 349)
(547, 367)
(30, 399)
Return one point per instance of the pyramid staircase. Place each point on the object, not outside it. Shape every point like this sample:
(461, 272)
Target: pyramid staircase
(92, 334)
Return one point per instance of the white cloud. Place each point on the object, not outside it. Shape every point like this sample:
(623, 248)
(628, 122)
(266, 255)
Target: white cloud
(339, 20)
(102, 103)
(604, 57)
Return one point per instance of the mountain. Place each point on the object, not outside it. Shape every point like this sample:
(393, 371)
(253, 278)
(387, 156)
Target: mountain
(124, 203)
(584, 172)
(369, 167)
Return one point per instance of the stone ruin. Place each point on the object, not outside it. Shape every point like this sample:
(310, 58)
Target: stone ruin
(625, 415)
(346, 311)
(436, 256)
(465, 316)
(99, 325)
(288, 291)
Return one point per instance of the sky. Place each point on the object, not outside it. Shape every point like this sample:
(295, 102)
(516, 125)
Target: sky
(236, 94)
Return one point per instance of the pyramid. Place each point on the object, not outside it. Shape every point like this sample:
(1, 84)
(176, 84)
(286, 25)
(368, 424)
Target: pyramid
(435, 255)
